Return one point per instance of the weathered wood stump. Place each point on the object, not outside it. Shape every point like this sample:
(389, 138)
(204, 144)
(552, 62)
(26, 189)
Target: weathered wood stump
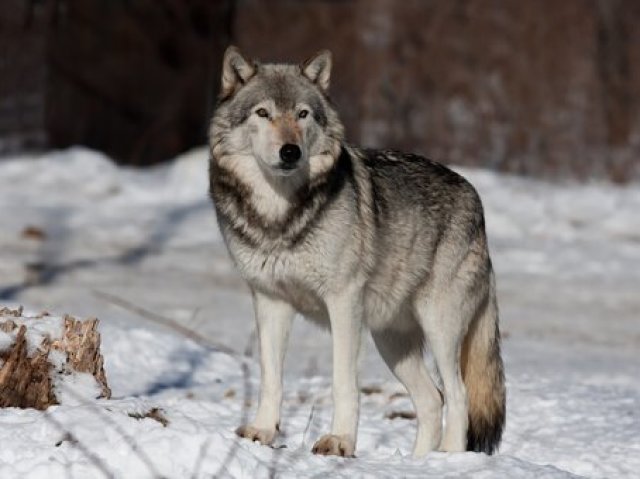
(41, 357)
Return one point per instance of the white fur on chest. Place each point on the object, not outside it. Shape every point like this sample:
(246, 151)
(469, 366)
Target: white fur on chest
(268, 202)
(298, 277)
(268, 268)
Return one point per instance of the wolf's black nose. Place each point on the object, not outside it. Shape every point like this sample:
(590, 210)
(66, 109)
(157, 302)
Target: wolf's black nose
(290, 154)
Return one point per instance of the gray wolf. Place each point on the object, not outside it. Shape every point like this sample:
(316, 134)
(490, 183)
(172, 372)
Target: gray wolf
(354, 238)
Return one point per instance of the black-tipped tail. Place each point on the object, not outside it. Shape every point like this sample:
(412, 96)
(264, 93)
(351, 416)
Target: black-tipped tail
(483, 435)
(483, 375)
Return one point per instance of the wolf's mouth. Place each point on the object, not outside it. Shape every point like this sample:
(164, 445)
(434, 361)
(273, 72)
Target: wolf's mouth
(284, 169)
(287, 166)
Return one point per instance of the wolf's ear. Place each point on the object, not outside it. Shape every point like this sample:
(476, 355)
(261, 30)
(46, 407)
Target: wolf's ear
(236, 71)
(318, 69)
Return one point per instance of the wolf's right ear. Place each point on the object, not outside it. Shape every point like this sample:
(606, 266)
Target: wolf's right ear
(236, 71)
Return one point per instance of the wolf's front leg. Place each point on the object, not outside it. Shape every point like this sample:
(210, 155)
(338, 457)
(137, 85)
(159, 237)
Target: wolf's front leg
(273, 319)
(345, 315)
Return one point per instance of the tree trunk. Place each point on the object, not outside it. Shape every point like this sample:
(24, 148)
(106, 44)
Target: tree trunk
(37, 353)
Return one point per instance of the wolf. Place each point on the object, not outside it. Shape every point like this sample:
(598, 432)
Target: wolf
(355, 238)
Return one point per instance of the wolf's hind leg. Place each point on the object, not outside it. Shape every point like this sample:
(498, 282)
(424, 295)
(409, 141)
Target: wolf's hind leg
(402, 351)
(273, 319)
(444, 319)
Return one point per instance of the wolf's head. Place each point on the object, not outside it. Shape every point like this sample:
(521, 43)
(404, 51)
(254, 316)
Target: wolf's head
(277, 117)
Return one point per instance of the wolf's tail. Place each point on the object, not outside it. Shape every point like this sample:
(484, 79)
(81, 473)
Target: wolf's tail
(483, 376)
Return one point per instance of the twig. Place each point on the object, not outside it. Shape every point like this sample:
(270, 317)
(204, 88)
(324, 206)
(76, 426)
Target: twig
(164, 321)
(73, 440)
(128, 439)
(248, 353)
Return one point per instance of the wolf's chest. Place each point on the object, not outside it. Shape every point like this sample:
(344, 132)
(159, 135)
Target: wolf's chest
(273, 267)
(281, 269)
(296, 277)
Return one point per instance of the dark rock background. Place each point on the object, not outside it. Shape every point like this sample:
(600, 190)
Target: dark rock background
(535, 87)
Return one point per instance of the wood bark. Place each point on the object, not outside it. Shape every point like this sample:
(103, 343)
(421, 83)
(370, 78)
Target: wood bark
(27, 379)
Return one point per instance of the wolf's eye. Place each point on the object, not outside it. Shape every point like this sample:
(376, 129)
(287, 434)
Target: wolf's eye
(303, 113)
(262, 113)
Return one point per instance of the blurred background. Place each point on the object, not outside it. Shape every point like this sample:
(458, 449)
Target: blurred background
(542, 88)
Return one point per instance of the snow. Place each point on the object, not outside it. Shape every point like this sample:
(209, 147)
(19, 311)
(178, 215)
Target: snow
(36, 330)
(140, 250)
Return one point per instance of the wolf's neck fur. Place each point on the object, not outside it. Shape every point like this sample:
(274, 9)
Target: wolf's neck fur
(265, 210)
(271, 197)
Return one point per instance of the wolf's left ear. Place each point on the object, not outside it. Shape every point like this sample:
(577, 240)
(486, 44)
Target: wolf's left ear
(236, 71)
(318, 69)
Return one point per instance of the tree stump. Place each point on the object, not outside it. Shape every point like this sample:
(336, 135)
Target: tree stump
(43, 358)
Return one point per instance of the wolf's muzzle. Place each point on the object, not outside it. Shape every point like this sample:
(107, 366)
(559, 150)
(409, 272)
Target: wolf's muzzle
(290, 154)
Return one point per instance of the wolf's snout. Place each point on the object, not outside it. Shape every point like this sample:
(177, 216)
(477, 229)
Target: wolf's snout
(290, 154)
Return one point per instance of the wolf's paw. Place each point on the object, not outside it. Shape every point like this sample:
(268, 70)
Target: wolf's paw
(330, 445)
(263, 436)
(449, 444)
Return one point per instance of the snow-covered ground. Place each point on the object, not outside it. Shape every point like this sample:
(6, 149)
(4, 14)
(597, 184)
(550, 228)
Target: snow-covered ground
(139, 249)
